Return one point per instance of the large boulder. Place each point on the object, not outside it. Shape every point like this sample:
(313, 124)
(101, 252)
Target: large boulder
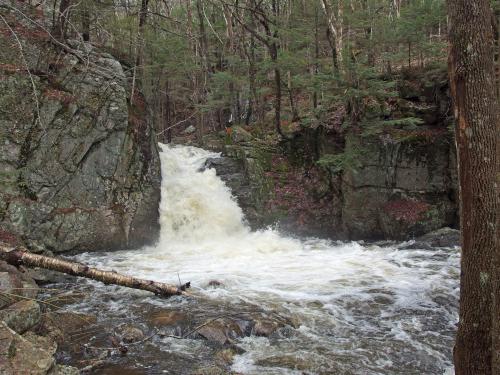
(79, 163)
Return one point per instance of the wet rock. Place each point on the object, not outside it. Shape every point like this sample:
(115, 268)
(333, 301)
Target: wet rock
(265, 327)
(444, 237)
(215, 284)
(68, 298)
(245, 326)
(413, 195)
(285, 361)
(225, 356)
(168, 318)
(243, 172)
(64, 370)
(129, 333)
(42, 276)
(211, 371)
(60, 325)
(22, 355)
(221, 331)
(224, 166)
(21, 316)
(170, 322)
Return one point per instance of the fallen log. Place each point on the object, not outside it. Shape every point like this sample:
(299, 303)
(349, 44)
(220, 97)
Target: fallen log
(19, 256)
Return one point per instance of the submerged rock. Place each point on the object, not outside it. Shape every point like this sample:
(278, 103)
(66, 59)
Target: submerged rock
(215, 284)
(129, 334)
(168, 318)
(221, 331)
(61, 325)
(265, 327)
(286, 361)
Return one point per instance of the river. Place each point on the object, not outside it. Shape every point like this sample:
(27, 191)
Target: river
(359, 308)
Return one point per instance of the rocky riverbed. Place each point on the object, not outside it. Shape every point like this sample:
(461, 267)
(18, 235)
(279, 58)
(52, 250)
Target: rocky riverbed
(65, 326)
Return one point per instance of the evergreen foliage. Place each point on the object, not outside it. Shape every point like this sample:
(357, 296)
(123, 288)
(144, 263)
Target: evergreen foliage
(216, 58)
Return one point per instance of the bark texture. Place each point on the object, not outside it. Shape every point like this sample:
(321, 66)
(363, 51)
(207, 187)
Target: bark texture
(472, 76)
(18, 257)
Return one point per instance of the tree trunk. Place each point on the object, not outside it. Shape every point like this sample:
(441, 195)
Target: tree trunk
(59, 30)
(202, 87)
(273, 51)
(277, 91)
(316, 57)
(86, 21)
(293, 106)
(472, 77)
(334, 30)
(137, 73)
(18, 257)
(495, 20)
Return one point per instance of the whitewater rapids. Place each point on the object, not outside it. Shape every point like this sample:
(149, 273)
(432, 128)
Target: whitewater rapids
(363, 309)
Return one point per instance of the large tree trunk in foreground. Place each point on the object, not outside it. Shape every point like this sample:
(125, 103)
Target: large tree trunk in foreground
(472, 79)
(18, 257)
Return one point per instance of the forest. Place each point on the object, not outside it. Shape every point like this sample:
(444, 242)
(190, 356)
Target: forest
(216, 62)
(225, 187)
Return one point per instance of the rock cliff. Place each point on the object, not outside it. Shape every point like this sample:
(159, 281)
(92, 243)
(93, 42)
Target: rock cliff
(79, 164)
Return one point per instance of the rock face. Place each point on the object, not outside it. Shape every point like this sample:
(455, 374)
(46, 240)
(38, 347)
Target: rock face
(79, 165)
(243, 170)
(398, 189)
(388, 182)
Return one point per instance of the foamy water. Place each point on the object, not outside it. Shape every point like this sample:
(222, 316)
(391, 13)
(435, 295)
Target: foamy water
(363, 309)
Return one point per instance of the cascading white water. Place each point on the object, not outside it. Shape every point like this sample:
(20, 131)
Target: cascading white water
(364, 309)
(195, 205)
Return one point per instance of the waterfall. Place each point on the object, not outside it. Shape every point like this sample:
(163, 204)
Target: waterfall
(195, 203)
(363, 308)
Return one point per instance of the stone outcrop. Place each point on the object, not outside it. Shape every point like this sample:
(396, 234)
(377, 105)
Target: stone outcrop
(22, 351)
(79, 165)
(243, 170)
(382, 182)
(398, 189)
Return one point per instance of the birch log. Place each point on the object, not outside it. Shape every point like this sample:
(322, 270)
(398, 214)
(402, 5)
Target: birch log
(18, 256)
